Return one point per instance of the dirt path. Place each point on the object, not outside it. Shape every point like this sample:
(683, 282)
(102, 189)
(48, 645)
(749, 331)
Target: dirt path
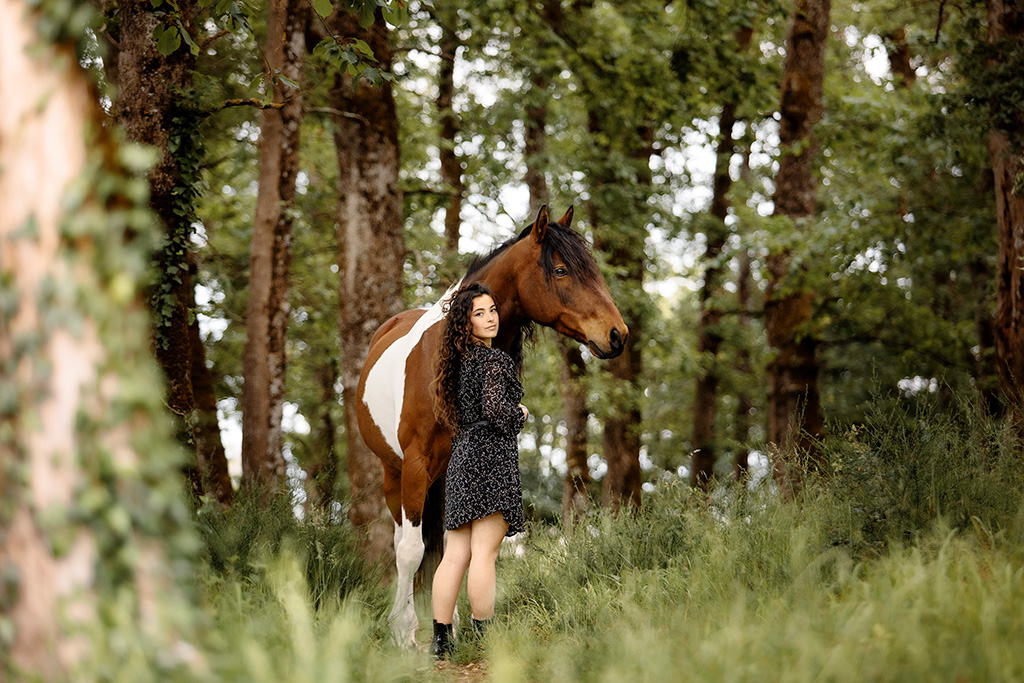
(473, 672)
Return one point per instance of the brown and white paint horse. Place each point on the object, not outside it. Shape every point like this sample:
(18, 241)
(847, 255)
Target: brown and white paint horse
(545, 275)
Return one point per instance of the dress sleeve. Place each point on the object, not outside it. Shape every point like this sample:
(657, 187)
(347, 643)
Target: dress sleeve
(498, 409)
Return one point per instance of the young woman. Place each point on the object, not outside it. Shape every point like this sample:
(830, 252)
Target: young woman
(476, 395)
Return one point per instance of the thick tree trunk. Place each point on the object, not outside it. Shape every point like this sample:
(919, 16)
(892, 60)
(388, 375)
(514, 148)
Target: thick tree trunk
(1006, 31)
(212, 460)
(151, 112)
(75, 361)
(795, 421)
(371, 252)
(270, 255)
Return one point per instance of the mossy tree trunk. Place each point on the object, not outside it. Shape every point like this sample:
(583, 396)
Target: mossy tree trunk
(151, 108)
(90, 497)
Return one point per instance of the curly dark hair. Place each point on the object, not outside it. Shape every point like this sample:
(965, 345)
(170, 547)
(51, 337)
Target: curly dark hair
(456, 338)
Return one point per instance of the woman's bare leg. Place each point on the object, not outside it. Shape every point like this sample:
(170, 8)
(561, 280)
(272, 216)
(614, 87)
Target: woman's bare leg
(449, 573)
(485, 542)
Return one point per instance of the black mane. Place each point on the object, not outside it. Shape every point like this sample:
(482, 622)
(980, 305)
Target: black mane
(569, 244)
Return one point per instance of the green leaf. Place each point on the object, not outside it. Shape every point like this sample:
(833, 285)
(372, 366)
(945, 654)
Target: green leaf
(169, 41)
(323, 7)
(287, 81)
(366, 15)
(364, 49)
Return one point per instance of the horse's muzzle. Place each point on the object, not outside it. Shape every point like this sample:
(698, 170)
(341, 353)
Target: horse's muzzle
(616, 344)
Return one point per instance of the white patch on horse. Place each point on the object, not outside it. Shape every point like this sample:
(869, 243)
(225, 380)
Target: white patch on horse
(384, 391)
(408, 555)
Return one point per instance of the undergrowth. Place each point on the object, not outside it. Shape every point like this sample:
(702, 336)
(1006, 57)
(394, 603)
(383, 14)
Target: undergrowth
(904, 563)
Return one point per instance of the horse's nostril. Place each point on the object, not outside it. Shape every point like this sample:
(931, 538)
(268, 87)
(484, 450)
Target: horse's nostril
(616, 339)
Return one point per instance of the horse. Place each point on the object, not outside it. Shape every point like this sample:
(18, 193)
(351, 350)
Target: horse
(545, 275)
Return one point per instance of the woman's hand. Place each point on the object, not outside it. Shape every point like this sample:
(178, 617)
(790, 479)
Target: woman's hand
(526, 412)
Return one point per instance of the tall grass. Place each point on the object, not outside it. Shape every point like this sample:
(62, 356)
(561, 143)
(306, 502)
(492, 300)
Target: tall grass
(905, 564)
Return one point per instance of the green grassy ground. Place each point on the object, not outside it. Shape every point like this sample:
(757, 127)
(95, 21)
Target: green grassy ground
(905, 564)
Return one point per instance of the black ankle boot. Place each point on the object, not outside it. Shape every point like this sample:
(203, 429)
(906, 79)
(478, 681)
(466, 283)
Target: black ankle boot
(441, 645)
(480, 628)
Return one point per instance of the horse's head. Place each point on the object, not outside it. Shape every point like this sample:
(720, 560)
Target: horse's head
(560, 285)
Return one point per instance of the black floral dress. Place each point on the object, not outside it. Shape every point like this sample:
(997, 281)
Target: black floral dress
(483, 474)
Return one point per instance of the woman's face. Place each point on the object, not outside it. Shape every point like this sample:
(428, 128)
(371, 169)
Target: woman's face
(483, 319)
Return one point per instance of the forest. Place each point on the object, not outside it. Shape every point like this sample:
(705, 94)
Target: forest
(805, 464)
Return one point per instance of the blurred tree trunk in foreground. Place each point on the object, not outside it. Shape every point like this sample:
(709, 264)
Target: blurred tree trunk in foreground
(1006, 36)
(795, 421)
(371, 253)
(85, 469)
(270, 255)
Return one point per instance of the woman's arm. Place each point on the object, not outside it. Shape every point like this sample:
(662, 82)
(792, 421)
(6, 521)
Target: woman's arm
(497, 408)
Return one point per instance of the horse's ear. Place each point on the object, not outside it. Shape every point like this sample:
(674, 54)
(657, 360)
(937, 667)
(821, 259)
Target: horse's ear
(566, 220)
(540, 226)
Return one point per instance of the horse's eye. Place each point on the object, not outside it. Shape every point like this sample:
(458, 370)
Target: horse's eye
(561, 271)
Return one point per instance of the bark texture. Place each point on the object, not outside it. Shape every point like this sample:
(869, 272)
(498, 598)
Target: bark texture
(371, 253)
(1006, 34)
(451, 165)
(46, 146)
(149, 109)
(264, 362)
(69, 425)
(795, 420)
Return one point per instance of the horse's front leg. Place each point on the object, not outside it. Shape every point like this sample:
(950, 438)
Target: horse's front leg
(408, 555)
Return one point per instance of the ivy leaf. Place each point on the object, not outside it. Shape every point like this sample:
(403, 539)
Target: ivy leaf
(323, 7)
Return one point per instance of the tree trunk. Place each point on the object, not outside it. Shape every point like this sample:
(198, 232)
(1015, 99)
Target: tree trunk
(1006, 31)
(150, 108)
(451, 165)
(76, 427)
(371, 253)
(322, 469)
(623, 246)
(795, 421)
(264, 361)
(212, 460)
(709, 336)
(744, 404)
(576, 491)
